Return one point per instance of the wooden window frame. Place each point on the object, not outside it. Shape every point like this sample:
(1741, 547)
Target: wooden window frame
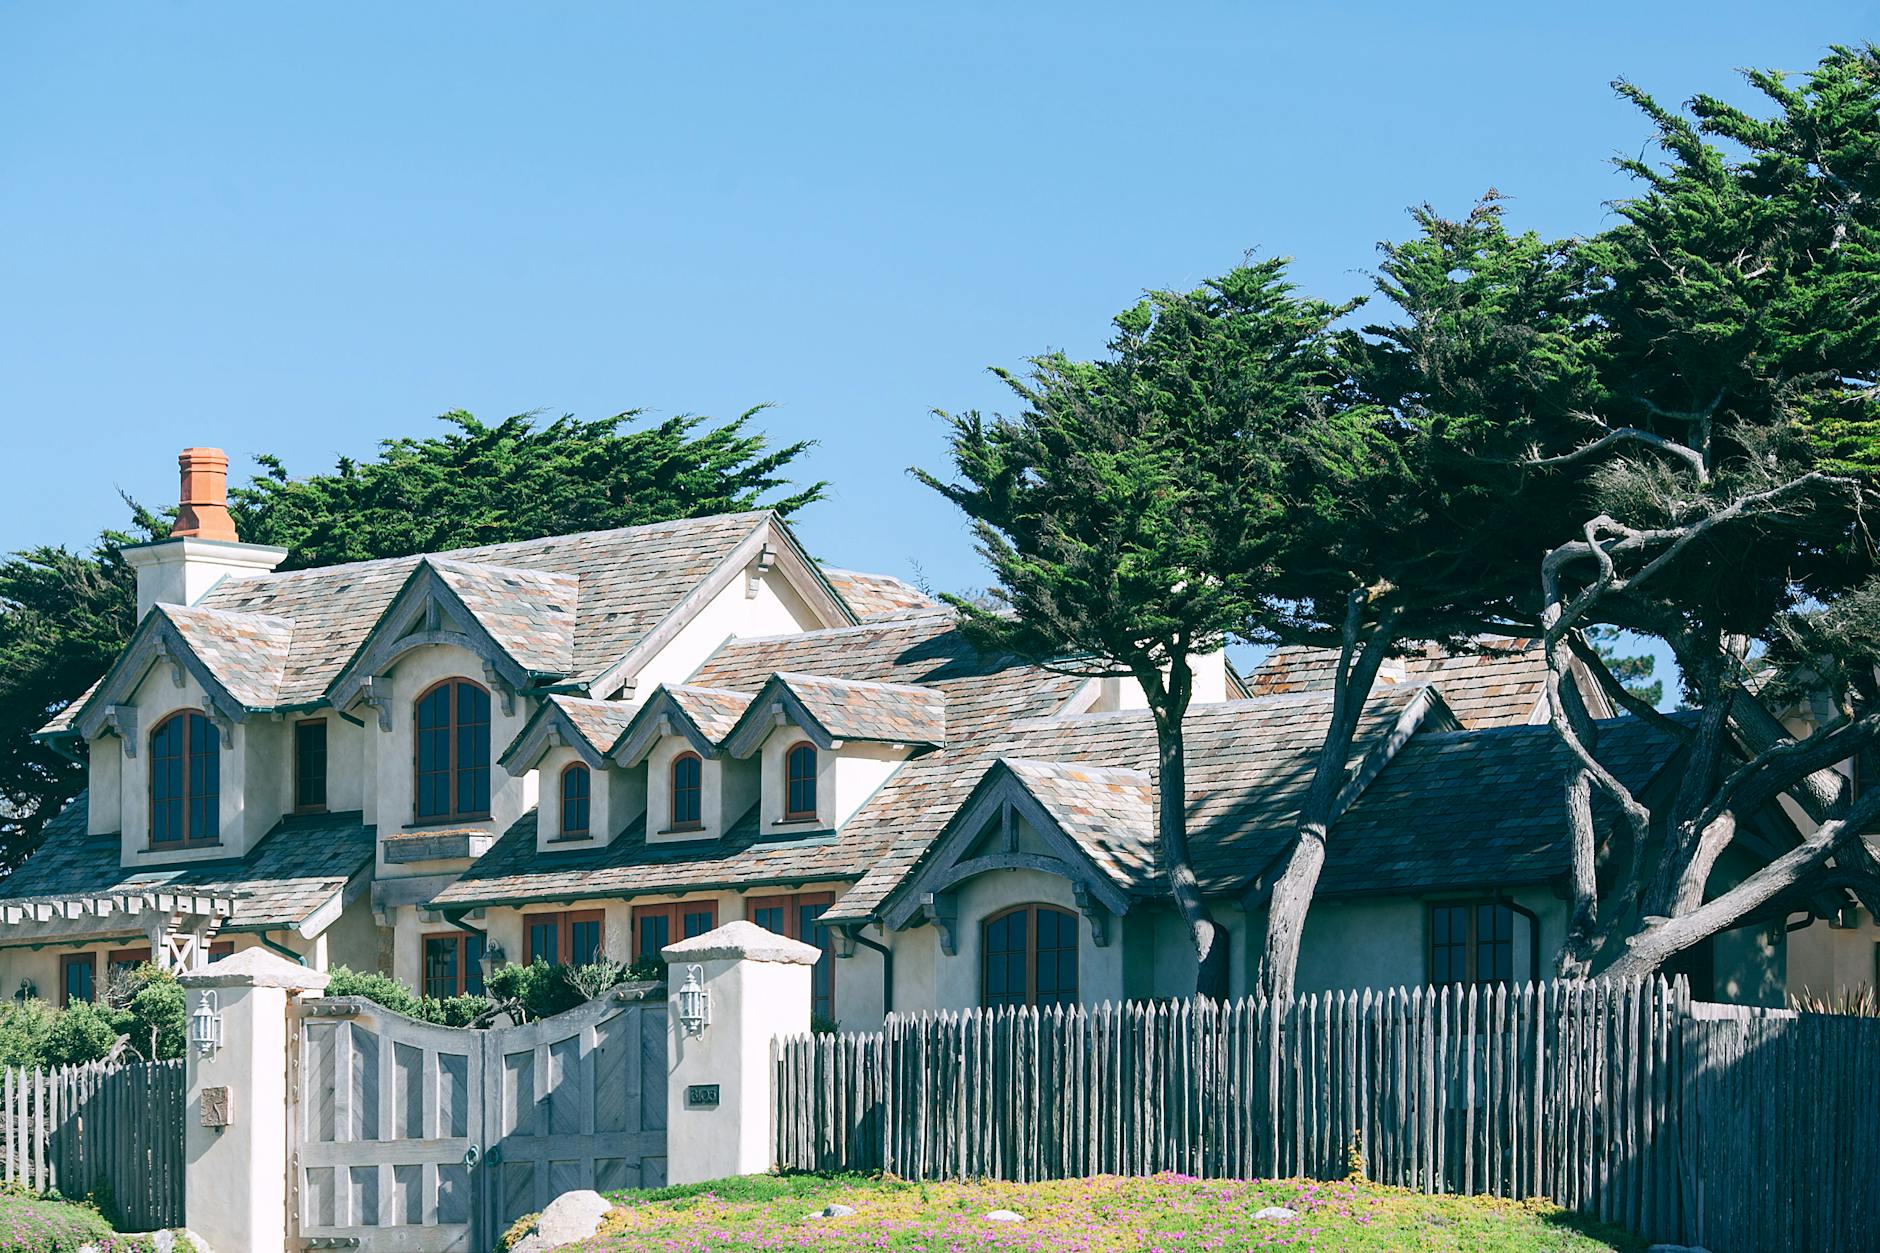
(1471, 944)
(462, 940)
(586, 830)
(132, 957)
(792, 906)
(454, 767)
(564, 922)
(301, 807)
(185, 796)
(815, 762)
(674, 912)
(672, 793)
(66, 962)
(1033, 908)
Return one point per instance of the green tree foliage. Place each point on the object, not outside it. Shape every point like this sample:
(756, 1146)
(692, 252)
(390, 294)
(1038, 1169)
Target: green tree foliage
(65, 615)
(1727, 479)
(1129, 509)
(517, 479)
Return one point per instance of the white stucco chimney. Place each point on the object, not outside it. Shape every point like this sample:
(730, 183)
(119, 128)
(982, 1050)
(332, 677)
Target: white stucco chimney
(203, 548)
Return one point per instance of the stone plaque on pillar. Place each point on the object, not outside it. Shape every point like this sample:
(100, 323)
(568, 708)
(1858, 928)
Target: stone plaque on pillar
(215, 1107)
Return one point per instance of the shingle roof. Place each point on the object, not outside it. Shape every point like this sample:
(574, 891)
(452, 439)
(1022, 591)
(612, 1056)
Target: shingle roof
(855, 709)
(1465, 808)
(876, 596)
(600, 722)
(529, 613)
(247, 652)
(626, 580)
(294, 869)
(1109, 811)
(1499, 683)
(515, 872)
(714, 711)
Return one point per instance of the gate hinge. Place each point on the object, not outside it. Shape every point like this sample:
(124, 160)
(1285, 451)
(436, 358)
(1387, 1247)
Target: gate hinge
(328, 1242)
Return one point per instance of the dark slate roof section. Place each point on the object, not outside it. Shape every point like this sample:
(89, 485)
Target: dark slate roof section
(1500, 681)
(876, 596)
(294, 870)
(529, 613)
(516, 873)
(627, 580)
(984, 695)
(1108, 811)
(852, 709)
(1475, 809)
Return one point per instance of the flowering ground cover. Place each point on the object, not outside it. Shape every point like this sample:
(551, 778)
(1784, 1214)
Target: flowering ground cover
(30, 1224)
(1163, 1214)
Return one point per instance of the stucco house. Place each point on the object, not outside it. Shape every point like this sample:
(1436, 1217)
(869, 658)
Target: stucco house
(599, 743)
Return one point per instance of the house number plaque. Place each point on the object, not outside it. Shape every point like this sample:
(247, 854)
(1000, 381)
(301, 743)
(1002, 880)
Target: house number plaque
(702, 1096)
(215, 1107)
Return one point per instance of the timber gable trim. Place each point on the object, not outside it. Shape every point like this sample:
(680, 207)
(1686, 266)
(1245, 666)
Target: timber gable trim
(157, 641)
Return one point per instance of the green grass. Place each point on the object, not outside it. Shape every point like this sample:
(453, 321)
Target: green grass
(30, 1224)
(1164, 1214)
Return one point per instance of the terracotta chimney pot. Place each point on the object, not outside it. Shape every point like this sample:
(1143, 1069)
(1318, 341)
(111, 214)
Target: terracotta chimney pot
(204, 505)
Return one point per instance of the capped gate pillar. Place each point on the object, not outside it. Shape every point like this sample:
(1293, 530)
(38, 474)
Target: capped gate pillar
(235, 1137)
(730, 992)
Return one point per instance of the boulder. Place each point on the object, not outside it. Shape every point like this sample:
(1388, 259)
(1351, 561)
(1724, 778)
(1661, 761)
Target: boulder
(569, 1217)
(1004, 1216)
(1276, 1213)
(834, 1211)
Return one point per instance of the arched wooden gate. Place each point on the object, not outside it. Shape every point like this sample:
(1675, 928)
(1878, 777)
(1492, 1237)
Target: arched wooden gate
(425, 1139)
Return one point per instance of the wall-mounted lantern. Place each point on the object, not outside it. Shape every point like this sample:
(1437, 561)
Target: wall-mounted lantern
(695, 1003)
(205, 1024)
(493, 956)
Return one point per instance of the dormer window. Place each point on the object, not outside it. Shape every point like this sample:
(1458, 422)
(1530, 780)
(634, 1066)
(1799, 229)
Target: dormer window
(799, 783)
(185, 781)
(452, 746)
(687, 792)
(577, 783)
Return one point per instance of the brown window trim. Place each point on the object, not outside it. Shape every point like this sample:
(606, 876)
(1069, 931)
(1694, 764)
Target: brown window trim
(799, 815)
(462, 941)
(1471, 954)
(675, 912)
(294, 753)
(563, 921)
(189, 840)
(66, 962)
(791, 904)
(450, 771)
(1033, 908)
(672, 794)
(565, 832)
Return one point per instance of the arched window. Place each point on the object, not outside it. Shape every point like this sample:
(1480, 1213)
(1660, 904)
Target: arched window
(452, 745)
(577, 783)
(185, 781)
(1030, 957)
(799, 783)
(687, 792)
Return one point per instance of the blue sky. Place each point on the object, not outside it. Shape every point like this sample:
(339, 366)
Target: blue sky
(300, 228)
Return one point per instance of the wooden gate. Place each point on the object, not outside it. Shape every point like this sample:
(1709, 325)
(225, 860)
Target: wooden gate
(425, 1139)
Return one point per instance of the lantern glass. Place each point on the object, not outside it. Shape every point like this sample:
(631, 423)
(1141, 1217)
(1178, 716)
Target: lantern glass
(205, 1025)
(695, 1004)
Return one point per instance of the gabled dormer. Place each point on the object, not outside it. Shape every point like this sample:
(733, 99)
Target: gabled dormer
(694, 791)
(583, 797)
(823, 746)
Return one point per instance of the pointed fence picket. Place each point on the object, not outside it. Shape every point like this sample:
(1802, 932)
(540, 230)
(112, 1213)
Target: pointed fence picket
(1730, 1128)
(113, 1133)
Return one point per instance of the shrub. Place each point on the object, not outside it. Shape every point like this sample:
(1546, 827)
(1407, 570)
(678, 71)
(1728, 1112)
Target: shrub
(1860, 1001)
(30, 1222)
(454, 1011)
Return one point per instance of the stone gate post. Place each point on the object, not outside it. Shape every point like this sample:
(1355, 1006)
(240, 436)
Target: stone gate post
(756, 986)
(235, 1149)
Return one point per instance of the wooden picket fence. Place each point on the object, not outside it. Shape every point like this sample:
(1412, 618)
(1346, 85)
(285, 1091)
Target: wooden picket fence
(112, 1132)
(1587, 1093)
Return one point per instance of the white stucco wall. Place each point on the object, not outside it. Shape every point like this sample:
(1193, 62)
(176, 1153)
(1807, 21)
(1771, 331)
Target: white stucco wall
(616, 796)
(845, 778)
(776, 609)
(1824, 959)
(727, 787)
